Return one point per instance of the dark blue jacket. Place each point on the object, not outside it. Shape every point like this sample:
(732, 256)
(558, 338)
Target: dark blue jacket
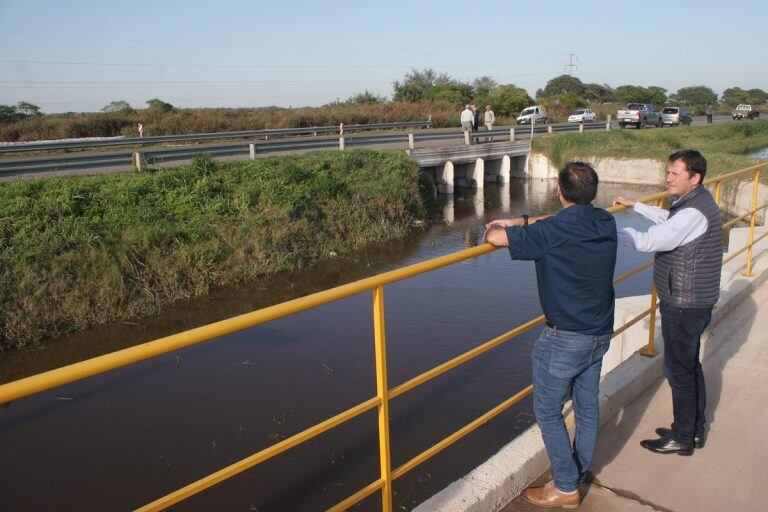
(575, 255)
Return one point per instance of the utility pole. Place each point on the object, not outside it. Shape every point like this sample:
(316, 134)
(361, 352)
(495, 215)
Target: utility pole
(571, 66)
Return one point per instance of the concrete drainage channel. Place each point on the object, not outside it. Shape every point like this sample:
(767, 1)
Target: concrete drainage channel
(626, 374)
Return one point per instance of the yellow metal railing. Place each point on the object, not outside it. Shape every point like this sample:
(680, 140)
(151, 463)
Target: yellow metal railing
(37, 383)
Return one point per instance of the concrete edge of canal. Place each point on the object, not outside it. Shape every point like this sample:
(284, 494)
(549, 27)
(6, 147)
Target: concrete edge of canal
(501, 478)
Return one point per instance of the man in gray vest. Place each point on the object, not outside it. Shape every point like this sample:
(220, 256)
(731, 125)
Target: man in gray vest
(688, 242)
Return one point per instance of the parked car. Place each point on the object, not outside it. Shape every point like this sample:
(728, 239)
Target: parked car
(639, 115)
(582, 116)
(535, 113)
(744, 111)
(674, 116)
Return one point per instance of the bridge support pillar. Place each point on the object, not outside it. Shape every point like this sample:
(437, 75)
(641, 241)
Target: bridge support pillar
(506, 168)
(478, 174)
(445, 178)
(448, 213)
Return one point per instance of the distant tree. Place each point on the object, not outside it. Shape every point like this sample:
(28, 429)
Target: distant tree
(415, 82)
(563, 84)
(366, 98)
(28, 109)
(458, 93)
(572, 101)
(118, 106)
(160, 106)
(637, 94)
(9, 114)
(22, 110)
(483, 86)
(734, 95)
(509, 99)
(757, 96)
(696, 95)
(599, 93)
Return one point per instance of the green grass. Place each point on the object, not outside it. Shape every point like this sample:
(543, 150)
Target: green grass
(725, 146)
(76, 252)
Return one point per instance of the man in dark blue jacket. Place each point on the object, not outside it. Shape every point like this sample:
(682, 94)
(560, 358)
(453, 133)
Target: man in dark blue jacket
(575, 255)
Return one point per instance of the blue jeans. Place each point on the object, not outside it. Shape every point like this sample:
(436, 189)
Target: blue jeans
(568, 362)
(682, 329)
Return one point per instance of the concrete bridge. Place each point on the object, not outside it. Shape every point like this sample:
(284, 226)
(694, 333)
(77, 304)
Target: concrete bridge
(471, 166)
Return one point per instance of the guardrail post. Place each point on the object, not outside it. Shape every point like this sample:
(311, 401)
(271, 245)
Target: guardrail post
(411, 142)
(136, 159)
(608, 123)
(341, 143)
(382, 392)
(511, 135)
(533, 122)
(581, 127)
(748, 271)
(252, 151)
(549, 128)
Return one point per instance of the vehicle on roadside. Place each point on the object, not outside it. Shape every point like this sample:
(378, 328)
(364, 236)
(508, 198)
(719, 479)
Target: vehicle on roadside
(744, 112)
(582, 115)
(638, 115)
(675, 116)
(535, 114)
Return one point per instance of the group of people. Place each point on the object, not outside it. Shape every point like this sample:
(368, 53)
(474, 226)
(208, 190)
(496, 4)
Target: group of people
(575, 256)
(470, 118)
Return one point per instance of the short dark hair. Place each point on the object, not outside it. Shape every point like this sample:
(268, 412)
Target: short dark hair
(578, 182)
(695, 163)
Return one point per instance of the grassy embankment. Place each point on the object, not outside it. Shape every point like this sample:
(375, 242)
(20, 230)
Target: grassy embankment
(76, 252)
(725, 146)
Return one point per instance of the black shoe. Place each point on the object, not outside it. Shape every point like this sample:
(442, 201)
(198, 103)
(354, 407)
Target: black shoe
(698, 440)
(667, 444)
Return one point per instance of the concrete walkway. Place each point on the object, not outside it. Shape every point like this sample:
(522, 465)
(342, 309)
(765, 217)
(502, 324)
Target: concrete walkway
(729, 473)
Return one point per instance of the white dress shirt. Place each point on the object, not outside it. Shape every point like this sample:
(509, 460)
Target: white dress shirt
(685, 226)
(466, 116)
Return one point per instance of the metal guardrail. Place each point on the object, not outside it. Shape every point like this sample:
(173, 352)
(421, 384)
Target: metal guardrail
(37, 383)
(194, 137)
(9, 167)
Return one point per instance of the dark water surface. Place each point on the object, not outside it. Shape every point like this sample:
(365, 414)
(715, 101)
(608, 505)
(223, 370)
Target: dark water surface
(120, 440)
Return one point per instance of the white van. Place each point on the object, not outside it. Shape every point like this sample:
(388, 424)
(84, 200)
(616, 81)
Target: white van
(535, 113)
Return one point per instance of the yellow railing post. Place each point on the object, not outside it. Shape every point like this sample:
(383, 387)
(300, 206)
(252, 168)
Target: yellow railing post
(748, 271)
(649, 350)
(717, 192)
(382, 392)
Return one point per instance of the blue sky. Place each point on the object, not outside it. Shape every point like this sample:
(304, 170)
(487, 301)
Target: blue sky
(80, 55)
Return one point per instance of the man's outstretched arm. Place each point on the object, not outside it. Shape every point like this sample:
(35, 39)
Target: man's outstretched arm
(496, 233)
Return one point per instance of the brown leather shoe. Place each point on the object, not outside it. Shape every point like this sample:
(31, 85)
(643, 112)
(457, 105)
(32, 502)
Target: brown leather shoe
(549, 496)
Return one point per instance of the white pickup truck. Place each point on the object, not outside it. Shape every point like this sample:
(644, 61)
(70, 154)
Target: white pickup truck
(639, 115)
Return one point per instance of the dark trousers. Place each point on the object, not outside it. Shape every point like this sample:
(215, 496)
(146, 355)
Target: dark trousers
(709, 118)
(681, 329)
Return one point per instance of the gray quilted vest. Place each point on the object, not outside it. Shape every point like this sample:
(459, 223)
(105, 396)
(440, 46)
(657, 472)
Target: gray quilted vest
(689, 276)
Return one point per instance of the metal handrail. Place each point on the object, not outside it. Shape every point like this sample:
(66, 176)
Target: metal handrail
(77, 371)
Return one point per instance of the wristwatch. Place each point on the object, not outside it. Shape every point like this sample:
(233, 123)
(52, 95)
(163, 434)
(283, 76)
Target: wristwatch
(525, 219)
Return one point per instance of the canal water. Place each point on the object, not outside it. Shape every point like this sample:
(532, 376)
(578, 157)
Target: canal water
(120, 440)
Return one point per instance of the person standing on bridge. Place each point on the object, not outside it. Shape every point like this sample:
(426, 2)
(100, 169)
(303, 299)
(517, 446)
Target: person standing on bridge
(490, 118)
(466, 121)
(575, 255)
(709, 114)
(688, 242)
